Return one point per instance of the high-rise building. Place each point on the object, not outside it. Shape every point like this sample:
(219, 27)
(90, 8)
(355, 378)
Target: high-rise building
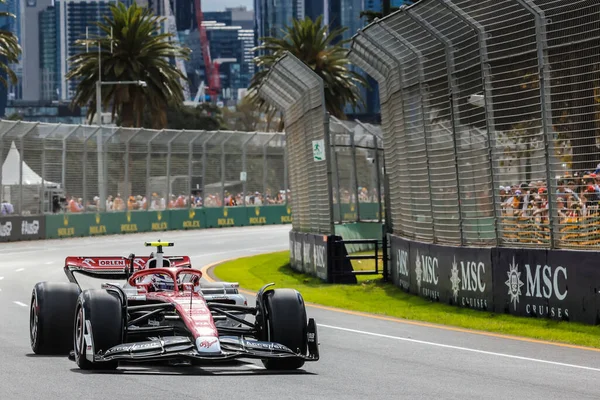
(231, 41)
(271, 16)
(49, 48)
(72, 21)
(30, 43)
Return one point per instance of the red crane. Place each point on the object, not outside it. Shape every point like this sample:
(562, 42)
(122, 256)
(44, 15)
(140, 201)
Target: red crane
(211, 68)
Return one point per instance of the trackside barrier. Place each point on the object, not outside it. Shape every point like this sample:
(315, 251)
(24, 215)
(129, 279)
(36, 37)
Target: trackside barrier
(77, 225)
(555, 284)
(316, 255)
(14, 229)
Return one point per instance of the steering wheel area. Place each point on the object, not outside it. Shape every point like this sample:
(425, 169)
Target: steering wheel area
(136, 280)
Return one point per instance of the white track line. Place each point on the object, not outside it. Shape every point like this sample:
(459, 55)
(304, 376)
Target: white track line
(461, 348)
(20, 304)
(19, 270)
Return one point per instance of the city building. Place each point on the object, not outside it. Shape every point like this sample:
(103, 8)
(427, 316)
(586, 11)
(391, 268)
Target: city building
(30, 43)
(231, 39)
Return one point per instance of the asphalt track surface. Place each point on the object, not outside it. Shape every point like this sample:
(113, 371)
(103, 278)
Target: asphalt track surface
(361, 357)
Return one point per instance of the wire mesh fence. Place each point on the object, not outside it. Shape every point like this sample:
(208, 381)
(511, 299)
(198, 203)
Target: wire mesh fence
(491, 118)
(49, 168)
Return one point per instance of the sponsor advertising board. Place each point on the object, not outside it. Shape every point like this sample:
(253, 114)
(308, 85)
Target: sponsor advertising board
(553, 284)
(22, 228)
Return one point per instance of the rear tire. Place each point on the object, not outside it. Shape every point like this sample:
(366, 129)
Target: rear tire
(104, 312)
(51, 317)
(286, 325)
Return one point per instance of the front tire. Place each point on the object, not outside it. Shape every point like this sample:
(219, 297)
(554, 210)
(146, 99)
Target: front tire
(51, 317)
(286, 325)
(103, 311)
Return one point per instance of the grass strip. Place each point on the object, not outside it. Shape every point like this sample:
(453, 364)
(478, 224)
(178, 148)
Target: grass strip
(371, 295)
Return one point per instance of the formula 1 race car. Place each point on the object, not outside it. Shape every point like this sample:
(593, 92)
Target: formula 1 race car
(164, 312)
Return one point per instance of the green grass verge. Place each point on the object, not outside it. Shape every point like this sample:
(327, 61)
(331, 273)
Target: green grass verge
(373, 296)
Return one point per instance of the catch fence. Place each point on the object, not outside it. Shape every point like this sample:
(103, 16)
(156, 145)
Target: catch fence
(491, 119)
(50, 168)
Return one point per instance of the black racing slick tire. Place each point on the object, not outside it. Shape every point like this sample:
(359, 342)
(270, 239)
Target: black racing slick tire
(286, 325)
(51, 317)
(104, 312)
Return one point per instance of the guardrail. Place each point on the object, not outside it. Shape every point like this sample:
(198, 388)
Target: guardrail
(65, 225)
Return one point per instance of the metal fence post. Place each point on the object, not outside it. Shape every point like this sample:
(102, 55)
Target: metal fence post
(190, 164)
(169, 149)
(265, 166)
(244, 166)
(455, 113)
(424, 98)
(546, 103)
(223, 166)
(354, 175)
(22, 151)
(336, 170)
(378, 178)
(328, 160)
(204, 166)
(149, 166)
(487, 97)
(84, 172)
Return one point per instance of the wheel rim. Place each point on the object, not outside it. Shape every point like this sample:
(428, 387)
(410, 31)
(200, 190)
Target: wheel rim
(33, 321)
(79, 334)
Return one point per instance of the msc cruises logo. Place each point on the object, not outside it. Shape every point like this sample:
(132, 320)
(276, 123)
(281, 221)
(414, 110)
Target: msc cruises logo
(514, 283)
(455, 279)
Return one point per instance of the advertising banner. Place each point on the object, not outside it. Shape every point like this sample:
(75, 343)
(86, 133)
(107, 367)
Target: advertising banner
(60, 226)
(22, 228)
(223, 217)
(400, 262)
(425, 272)
(529, 283)
(320, 256)
(192, 218)
(308, 258)
(296, 252)
(466, 276)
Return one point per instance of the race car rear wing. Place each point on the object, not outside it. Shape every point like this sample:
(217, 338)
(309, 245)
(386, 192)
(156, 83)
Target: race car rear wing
(117, 268)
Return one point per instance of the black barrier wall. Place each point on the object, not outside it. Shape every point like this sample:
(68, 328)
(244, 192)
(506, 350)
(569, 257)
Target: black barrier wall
(314, 254)
(554, 284)
(17, 228)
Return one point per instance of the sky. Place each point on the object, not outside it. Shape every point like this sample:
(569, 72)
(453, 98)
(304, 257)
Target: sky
(220, 5)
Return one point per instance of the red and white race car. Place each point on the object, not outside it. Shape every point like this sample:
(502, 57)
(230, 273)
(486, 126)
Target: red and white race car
(164, 312)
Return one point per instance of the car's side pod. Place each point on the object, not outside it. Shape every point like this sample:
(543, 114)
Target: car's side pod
(261, 323)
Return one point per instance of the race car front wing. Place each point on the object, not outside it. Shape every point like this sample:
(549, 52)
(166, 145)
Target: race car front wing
(232, 347)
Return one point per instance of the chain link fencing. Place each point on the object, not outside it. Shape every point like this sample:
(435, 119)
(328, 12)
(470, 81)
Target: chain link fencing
(49, 168)
(491, 119)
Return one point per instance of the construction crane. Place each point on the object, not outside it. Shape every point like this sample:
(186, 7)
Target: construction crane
(171, 27)
(211, 68)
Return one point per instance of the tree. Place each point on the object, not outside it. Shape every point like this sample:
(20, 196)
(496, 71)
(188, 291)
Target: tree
(137, 51)
(323, 51)
(245, 117)
(10, 50)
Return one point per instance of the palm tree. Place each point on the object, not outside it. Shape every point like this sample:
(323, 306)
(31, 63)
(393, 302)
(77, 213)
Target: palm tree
(137, 51)
(10, 50)
(323, 51)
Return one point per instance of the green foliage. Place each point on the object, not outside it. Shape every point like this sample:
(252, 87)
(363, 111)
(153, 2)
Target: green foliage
(15, 117)
(245, 117)
(323, 51)
(205, 116)
(10, 50)
(139, 52)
